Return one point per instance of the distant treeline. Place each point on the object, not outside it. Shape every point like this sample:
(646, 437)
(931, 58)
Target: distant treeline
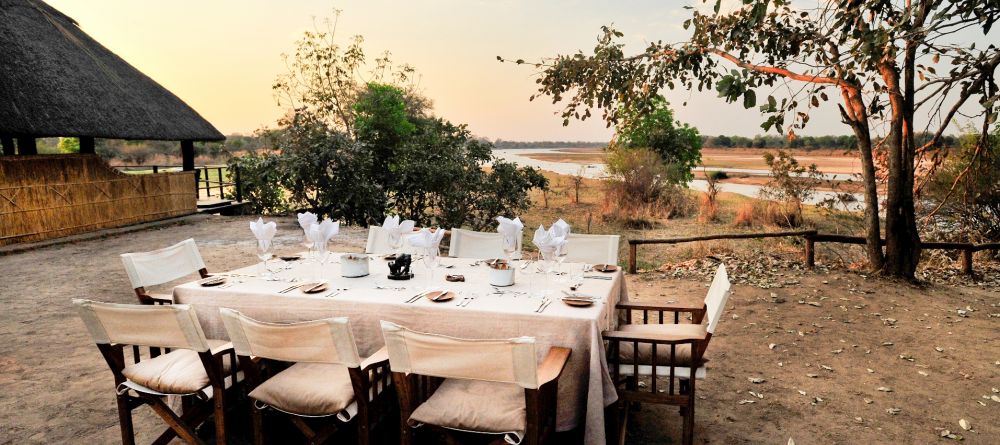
(845, 142)
(500, 143)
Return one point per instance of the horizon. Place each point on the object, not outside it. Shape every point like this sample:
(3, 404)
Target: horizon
(225, 71)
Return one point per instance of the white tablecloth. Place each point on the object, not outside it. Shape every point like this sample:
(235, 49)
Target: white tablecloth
(585, 387)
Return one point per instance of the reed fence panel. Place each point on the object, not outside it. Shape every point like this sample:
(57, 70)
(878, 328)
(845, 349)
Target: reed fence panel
(51, 196)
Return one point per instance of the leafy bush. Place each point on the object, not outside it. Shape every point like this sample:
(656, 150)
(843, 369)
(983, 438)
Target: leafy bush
(718, 175)
(261, 182)
(791, 183)
(963, 197)
(678, 145)
(641, 189)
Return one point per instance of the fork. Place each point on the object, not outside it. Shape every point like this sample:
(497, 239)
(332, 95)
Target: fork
(544, 303)
(467, 301)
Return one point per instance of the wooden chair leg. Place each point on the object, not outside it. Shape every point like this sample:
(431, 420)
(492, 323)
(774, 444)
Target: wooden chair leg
(183, 430)
(219, 401)
(623, 422)
(257, 417)
(125, 420)
(688, 438)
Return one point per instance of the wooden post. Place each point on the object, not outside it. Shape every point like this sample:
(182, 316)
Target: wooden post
(631, 257)
(26, 146)
(810, 252)
(967, 262)
(86, 145)
(187, 155)
(8, 145)
(238, 184)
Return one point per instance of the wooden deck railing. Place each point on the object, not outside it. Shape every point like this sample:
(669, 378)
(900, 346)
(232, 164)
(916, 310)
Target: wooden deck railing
(811, 238)
(202, 178)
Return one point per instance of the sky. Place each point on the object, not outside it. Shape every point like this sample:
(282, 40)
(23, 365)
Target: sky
(222, 56)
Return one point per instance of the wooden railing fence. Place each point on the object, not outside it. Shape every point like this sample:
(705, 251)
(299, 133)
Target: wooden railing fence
(811, 237)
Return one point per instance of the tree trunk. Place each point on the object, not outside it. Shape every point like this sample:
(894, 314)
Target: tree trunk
(856, 115)
(902, 242)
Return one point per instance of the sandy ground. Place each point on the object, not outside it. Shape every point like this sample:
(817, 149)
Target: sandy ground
(55, 388)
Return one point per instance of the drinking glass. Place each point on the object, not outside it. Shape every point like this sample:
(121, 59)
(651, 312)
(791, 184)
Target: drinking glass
(509, 247)
(395, 241)
(430, 260)
(545, 266)
(264, 252)
(307, 243)
(560, 254)
(322, 255)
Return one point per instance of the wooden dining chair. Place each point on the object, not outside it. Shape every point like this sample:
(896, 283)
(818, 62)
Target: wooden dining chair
(161, 266)
(324, 378)
(378, 242)
(201, 371)
(478, 245)
(593, 249)
(492, 387)
(664, 350)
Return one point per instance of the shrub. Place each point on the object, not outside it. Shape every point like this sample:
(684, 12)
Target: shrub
(718, 175)
(744, 215)
(260, 180)
(781, 214)
(641, 190)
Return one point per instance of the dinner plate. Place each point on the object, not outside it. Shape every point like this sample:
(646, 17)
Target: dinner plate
(312, 288)
(606, 268)
(439, 296)
(578, 301)
(212, 281)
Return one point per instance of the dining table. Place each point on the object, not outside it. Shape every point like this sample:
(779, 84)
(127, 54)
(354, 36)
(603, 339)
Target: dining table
(478, 310)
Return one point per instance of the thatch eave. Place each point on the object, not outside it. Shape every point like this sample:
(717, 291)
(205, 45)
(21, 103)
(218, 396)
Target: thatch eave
(56, 81)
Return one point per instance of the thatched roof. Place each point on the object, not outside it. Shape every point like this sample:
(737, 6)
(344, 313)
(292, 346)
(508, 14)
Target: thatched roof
(57, 81)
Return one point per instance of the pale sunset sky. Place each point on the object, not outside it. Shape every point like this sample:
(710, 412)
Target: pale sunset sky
(222, 56)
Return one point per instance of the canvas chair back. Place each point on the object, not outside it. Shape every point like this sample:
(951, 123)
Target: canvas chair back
(479, 245)
(170, 326)
(163, 265)
(506, 361)
(328, 340)
(593, 249)
(718, 294)
(378, 242)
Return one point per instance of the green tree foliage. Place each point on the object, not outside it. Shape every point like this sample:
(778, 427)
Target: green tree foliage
(69, 145)
(355, 150)
(879, 60)
(677, 144)
(963, 197)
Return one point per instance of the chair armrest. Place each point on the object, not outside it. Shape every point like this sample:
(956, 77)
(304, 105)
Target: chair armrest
(379, 358)
(553, 365)
(641, 306)
(664, 337)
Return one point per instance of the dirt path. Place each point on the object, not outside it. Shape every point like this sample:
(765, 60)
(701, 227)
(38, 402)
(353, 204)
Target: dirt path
(55, 388)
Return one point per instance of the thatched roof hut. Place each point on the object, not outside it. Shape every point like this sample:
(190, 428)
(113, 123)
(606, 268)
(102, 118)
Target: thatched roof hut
(55, 80)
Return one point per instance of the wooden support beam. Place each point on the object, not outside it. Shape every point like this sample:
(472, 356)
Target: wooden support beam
(810, 252)
(86, 145)
(967, 262)
(631, 257)
(187, 155)
(26, 146)
(8, 145)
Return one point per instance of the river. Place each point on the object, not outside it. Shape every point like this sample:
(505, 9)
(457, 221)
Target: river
(597, 171)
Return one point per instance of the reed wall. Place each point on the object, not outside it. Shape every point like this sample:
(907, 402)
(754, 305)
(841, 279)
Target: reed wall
(50, 196)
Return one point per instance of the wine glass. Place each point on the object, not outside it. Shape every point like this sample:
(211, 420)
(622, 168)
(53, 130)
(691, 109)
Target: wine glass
(560, 255)
(545, 267)
(395, 241)
(264, 252)
(307, 243)
(322, 255)
(509, 247)
(430, 260)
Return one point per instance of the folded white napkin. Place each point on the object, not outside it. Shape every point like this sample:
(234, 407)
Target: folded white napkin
(546, 241)
(560, 228)
(263, 231)
(307, 219)
(322, 232)
(510, 231)
(427, 239)
(392, 225)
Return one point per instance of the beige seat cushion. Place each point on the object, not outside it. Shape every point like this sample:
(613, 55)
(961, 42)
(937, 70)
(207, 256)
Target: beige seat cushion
(178, 372)
(474, 405)
(308, 389)
(682, 352)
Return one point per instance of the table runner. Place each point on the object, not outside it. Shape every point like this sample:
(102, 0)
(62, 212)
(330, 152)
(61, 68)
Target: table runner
(585, 387)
